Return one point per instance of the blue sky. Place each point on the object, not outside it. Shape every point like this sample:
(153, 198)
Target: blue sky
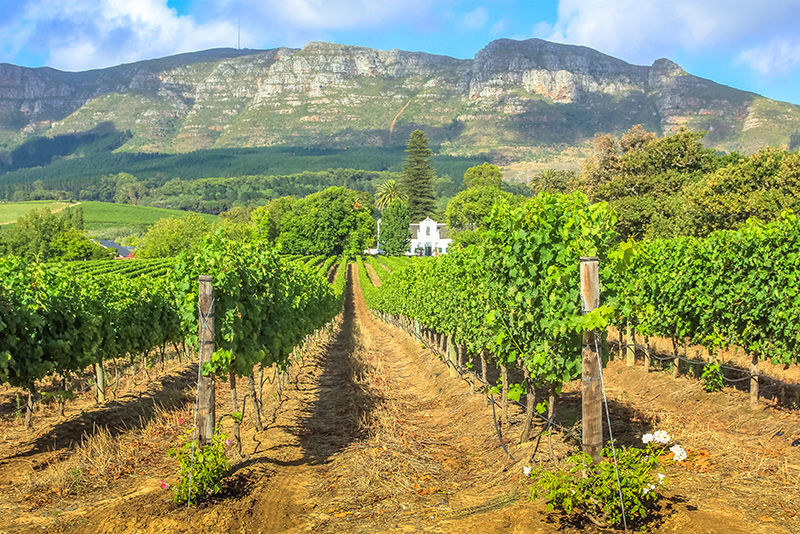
(752, 45)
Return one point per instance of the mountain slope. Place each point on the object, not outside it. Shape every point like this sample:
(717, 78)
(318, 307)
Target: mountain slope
(512, 94)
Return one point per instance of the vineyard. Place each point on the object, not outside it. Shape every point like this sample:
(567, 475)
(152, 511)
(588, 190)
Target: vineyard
(59, 319)
(152, 268)
(517, 298)
(410, 394)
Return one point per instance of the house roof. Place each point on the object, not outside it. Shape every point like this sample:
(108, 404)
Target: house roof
(121, 251)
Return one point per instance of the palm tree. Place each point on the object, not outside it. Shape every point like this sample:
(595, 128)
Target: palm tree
(388, 191)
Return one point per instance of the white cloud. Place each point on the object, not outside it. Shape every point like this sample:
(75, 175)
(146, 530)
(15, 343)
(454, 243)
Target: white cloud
(644, 30)
(777, 57)
(476, 19)
(84, 34)
(498, 27)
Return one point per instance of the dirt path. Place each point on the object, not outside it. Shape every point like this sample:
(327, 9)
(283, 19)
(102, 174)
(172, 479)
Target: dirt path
(371, 434)
(373, 275)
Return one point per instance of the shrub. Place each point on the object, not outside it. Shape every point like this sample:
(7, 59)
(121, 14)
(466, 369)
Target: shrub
(592, 489)
(202, 479)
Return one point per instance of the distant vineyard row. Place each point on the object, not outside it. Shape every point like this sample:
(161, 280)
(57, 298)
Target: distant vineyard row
(161, 267)
(517, 296)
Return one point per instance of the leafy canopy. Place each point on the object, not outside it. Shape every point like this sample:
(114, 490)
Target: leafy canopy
(169, 237)
(483, 175)
(331, 222)
(395, 238)
(45, 236)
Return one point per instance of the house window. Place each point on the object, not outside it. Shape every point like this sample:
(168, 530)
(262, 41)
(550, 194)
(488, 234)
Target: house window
(427, 230)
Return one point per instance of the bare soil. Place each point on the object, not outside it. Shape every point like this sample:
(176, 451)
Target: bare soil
(373, 275)
(370, 433)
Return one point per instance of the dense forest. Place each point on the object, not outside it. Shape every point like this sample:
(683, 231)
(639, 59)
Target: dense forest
(85, 167)
(659, 187)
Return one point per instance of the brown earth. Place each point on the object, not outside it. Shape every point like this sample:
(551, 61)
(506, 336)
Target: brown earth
(370, 433)
(733, 356)
(373, 275)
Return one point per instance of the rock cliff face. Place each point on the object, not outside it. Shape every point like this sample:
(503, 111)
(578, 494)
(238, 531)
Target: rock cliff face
(513, 94)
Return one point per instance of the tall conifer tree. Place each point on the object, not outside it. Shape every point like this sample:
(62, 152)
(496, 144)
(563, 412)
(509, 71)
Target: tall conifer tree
(417, 178)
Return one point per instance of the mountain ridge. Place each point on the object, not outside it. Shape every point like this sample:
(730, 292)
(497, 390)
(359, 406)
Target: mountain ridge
(512, 94)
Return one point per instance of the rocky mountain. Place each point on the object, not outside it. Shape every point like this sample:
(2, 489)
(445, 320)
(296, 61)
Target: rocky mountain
(513, 94)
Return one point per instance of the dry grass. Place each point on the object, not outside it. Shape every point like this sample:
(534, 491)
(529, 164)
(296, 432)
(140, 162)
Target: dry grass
(409, 459)
(102, 458)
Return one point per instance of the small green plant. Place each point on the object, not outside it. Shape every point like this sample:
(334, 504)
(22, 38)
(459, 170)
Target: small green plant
(712, 377)
(201, 478)
(592, 490)
(77, 479)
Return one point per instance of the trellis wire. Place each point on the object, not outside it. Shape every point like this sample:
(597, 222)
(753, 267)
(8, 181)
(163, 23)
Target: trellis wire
(748, 376)
(610, 434)
(461, 371)
(203, 318)
(548, 420)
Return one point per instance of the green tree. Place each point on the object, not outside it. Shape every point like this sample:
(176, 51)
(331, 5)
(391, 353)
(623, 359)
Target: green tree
(418, 176)
(794, 141)
(552, 181)
(395, 233)
(635, 139)
(387, 192)
(169, 237)
(482, 175)
(44, 236)
(647, 184)
(469, 208)
(599, 167)
(72, 244)
(466, 214)
(128, 189)
(237, 224)
(331, 222)
(268, 218)
(762, 186)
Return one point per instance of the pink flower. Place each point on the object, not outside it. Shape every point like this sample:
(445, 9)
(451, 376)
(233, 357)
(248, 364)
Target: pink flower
(164, 485)
(227, 442)
(180, 421)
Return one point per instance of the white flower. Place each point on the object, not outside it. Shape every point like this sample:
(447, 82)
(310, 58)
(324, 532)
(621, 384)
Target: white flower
(647, 438)
(649, 488)
(678, 453)
(661, 477)
(527, 470)
(661, 436)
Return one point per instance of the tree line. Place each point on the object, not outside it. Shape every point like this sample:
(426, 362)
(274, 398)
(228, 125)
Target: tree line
(659, 187)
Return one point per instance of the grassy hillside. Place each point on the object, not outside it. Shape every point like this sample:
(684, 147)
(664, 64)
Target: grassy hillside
(11, 211)
(104, 215)
(99, 216)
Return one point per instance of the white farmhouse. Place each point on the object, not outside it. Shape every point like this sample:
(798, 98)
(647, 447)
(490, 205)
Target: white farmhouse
(428, 238)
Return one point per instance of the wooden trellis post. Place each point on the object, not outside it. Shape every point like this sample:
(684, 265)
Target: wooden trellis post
(206, 412)
(630, 347)
(591, 393)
